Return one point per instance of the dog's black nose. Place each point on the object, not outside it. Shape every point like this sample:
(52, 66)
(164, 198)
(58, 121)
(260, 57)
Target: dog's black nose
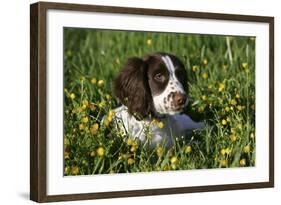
(179, 98)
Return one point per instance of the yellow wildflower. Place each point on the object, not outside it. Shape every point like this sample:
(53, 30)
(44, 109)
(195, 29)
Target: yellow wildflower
(205, 75)
(233, 138)
(246, 149)
(85, 119)
(100, 83)
(160, 125)
(66, 141)
(188, 149)
(85, 102)
(111, 113)
(200, 109)
(223, 152)
(233, 102)
(221, 87)
(159, 151)
(227, 109)
(149, 41)
(242, 162)
(252, 135)
(130, 161)
(66, 155)
(92, 153)
(106, 122)
(244, 65)
(133, 148)
(74, 170)
(174, 160)
(72, 96)
(237, 96)
(94, 128)
(195, 68)
(107, 96)
(67, 170)
(94, 81)
(233, 130)
(100, 151)
(239, 107)
(130, 141)
(205, 61)
(210, 86)
(82, 127)
(224, 163)
(223, 122)
(102, 104)
(204, 97)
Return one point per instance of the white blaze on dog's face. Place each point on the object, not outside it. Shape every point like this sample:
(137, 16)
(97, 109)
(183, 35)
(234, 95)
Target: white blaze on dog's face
(168, 83)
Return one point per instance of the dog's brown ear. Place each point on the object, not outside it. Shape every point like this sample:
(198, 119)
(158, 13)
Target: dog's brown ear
(132, 89)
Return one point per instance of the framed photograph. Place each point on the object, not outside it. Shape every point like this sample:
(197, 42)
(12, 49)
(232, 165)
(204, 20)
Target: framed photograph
(135, 102)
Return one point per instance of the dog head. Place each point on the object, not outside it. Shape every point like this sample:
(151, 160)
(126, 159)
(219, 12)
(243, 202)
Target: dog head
(156, 84)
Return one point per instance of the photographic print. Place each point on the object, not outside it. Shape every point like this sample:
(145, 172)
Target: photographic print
(135, 102)
(147, 101)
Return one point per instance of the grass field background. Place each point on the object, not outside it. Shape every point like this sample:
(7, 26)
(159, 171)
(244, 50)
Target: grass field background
(221, 77)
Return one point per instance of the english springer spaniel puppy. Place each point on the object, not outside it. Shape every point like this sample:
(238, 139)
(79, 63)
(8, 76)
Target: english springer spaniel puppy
(153, 93)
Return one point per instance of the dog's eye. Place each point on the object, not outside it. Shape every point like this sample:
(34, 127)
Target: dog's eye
(159, 77)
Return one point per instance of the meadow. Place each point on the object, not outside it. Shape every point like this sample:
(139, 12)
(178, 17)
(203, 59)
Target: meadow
(221, 78)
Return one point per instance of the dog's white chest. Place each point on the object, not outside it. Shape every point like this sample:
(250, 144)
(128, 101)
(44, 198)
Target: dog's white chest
(164, 132)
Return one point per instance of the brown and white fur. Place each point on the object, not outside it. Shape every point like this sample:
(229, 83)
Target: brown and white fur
(153, 87)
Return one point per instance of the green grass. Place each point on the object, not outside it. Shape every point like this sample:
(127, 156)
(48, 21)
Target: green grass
(221, 77)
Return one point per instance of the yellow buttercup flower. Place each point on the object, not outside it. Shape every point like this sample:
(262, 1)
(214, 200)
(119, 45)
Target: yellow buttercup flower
(223, 163)
(100, 151)
(107, 96)
(94, 128)
(204, 97)
(174, 160)
(195, 68)
(237, 96)
(252, 135)
(205, 61)
(239, 107)
(246, 149)
(200, 109)
(130, 161)
(223, 152)
(221, 87)
(102, 104)
(244, 65)
(82, 127)
(160, 125)
(159, 151)
(188, 149)
(72, 96)
(233, 138)
(149, 41)
(242, 162)
(100, 83)
(133, 148)
(227, 109)
(85, 119)
(75, 170)
(233, 102)
(94, 81)
(92, 153)
(66, 155)
(223, 122)
(130, 141)
(205, 75)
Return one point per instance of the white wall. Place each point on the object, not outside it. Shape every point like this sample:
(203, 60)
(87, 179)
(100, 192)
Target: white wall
(14, 103)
